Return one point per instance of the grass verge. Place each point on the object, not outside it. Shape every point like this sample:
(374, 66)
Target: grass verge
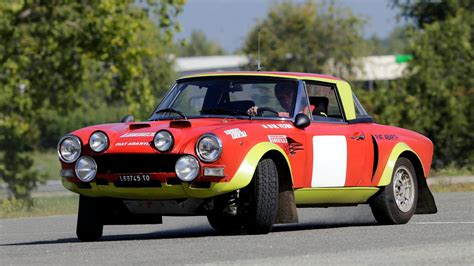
(451, 170)
(44, 206)
(460, 187)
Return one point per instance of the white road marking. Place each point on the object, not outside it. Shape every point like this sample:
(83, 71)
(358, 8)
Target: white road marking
(443, 223)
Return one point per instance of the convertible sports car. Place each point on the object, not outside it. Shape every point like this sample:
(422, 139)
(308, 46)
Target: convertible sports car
(246, 149)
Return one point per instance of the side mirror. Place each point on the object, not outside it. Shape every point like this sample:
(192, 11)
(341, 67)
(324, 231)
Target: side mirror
(301, 121)
(127, 118)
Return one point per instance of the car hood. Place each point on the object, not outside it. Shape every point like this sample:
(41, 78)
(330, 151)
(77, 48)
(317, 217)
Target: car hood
(138, 137)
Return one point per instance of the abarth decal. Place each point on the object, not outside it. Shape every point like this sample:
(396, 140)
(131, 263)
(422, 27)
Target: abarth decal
(143, 134)
(236, 133)
(329, 161)
(278, 139)
(140, 143)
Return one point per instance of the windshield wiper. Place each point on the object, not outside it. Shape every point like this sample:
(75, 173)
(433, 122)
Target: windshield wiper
(171, 110)
(222, 111)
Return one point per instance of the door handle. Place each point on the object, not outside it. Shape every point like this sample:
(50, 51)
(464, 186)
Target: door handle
(358, 137)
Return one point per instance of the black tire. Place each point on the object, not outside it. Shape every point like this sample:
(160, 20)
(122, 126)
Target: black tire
(227, 225)
(89, 223)
(263, 199)
(385, 207)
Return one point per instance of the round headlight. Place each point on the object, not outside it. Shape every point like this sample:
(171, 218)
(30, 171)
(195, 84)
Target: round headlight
(209, 148)
(99, 141)
(163, 140)
(187, 168)
(86, 169)
(69, 149)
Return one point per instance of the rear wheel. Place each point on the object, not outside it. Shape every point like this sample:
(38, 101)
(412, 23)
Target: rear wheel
(89, 223)
(396, 203)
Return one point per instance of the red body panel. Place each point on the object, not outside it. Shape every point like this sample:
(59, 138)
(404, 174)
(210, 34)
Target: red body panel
(366, 146)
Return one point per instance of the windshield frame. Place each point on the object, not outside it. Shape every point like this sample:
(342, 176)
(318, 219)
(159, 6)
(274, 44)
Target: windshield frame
(171, 96)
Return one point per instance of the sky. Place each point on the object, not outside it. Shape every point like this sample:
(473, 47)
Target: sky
(228, 21)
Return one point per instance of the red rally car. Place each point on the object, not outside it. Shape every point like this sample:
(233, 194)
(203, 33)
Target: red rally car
(246, 149)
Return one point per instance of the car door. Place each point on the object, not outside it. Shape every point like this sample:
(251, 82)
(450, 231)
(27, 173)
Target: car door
(341, 153)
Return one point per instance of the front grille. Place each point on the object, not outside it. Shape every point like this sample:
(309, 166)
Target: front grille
(136, 163)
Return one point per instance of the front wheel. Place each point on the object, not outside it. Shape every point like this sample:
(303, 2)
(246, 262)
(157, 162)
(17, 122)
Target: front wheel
(89, 223)
(396, 203)
(263, 199)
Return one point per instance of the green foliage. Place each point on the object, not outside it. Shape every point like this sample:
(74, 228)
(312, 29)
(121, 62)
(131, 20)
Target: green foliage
(437, 95)
(306, 37)
(199, 45)
(425, 12)
(395, 43)
(60, 57)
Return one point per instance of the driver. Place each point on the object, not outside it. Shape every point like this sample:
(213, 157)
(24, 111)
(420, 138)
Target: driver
(284, 92)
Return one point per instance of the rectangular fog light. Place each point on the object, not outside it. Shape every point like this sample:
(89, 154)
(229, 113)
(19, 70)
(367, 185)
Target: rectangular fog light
(214, 171)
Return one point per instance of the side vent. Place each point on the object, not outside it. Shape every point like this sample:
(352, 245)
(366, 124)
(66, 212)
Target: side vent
(138, 126)
(180, 124)
(376, 156)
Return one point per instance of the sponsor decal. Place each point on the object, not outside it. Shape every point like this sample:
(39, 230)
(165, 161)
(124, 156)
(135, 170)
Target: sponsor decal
(385, 137)
(143, 134)
(277, 126)
(137, 143)
(278, 139)
(236, 133)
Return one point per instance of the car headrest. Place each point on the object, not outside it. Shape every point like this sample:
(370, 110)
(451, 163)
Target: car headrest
(320, 103)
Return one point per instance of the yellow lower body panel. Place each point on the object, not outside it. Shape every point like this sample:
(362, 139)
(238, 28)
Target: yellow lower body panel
(241, 178)
(339, 195)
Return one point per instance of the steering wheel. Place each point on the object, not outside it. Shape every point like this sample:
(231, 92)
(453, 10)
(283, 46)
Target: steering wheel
(260, 110)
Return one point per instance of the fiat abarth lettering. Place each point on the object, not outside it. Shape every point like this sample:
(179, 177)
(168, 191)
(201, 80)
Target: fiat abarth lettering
(246, 149)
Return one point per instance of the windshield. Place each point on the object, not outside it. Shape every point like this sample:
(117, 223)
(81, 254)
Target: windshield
(235, 96)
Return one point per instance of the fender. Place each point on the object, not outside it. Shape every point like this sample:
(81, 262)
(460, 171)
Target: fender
(243, 175)
(388, 170)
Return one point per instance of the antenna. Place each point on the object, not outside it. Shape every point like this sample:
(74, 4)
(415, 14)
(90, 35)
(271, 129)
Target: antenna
(259, 67)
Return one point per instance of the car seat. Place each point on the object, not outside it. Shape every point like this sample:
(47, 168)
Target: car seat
(321, 105)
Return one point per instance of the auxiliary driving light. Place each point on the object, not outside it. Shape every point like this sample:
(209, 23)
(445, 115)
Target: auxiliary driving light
(99, 141)
(86, 169)
(163, 140)
(187, 168)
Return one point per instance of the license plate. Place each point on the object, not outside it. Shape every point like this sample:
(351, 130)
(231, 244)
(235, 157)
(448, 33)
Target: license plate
(134, 178)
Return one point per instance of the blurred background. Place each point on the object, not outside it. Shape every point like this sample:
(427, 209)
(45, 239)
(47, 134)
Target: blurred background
(68, 64)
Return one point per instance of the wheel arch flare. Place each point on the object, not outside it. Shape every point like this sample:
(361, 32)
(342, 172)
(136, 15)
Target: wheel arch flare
(244, 174)
(426, 203)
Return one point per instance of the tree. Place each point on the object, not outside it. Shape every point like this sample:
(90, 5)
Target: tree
(56, 57)
(437, 94)
(199, 45)
(426, 12)
(306, 37)
(395, 43)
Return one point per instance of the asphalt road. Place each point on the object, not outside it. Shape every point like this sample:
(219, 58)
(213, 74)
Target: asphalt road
(334, 236)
